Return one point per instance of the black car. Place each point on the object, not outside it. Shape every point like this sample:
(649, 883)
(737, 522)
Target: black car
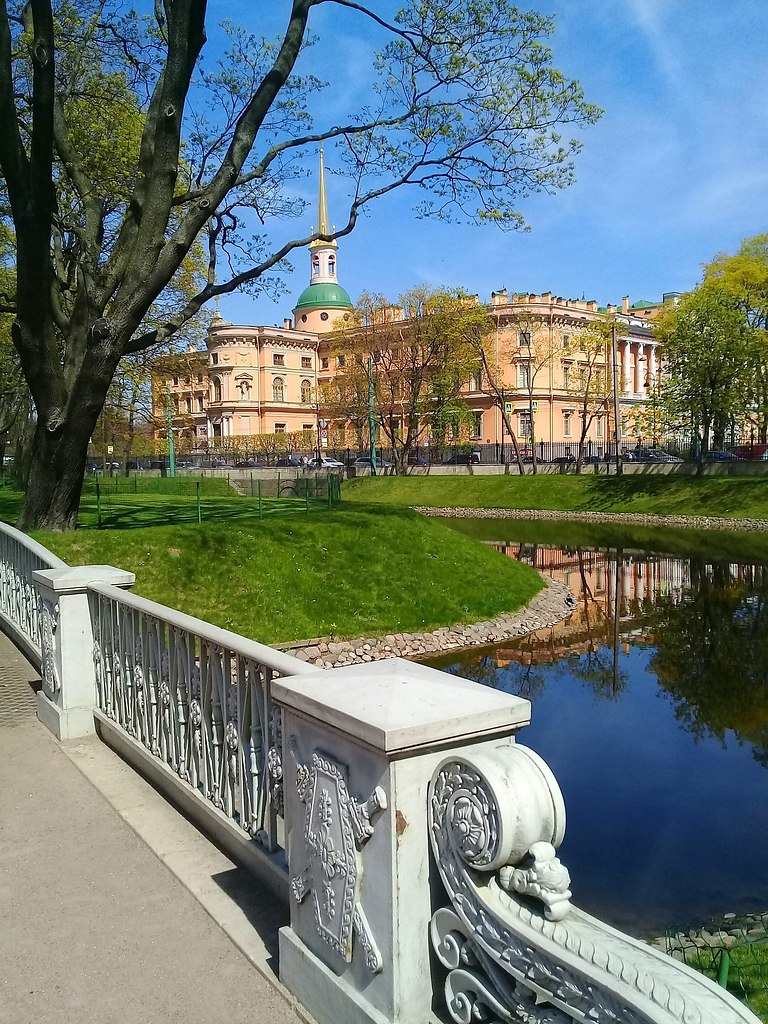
(464, 459)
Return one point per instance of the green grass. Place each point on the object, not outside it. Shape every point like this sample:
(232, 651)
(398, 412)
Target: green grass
(639, 494)
(350, 573)
(747, 975)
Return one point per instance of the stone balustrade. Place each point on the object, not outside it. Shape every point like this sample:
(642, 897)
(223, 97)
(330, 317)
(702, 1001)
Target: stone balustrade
(421, 838)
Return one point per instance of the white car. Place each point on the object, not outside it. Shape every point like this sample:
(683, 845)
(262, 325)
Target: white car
(325, 462)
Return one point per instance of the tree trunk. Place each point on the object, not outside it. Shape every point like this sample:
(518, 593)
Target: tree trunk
(56, 476)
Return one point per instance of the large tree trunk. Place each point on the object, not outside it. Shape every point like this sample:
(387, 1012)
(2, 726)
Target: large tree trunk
(56, 476)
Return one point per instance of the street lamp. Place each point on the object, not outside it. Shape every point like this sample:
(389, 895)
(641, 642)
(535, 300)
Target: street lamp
(617, 421)
(371, 418)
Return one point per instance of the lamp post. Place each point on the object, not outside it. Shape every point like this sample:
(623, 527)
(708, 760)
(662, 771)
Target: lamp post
(617, 421)
(371, 419)
(171, 453)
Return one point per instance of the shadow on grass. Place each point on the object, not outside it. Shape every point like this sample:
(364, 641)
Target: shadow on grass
(605, 492)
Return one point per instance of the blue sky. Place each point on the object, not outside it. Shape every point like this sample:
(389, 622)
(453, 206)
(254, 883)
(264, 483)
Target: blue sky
(675, 171)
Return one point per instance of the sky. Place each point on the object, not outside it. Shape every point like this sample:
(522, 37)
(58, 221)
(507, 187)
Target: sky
(675, 171)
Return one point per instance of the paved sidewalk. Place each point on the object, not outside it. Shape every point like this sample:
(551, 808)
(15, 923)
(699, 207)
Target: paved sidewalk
(94, 927)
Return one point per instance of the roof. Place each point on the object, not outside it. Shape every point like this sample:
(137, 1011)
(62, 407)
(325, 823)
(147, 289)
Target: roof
(319, 295)
(642, 304)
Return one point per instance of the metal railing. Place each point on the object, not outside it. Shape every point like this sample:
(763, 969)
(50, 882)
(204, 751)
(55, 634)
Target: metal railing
(197, 697)
(20, 603)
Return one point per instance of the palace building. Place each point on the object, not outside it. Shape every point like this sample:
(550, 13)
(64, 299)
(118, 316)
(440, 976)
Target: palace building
(257, 381)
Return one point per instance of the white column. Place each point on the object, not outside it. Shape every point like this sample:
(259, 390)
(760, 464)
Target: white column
(66, 702)
(625, 368)
(643, 369)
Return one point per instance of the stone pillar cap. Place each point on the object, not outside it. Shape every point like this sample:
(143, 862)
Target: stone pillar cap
(398, 706)
(77, 578)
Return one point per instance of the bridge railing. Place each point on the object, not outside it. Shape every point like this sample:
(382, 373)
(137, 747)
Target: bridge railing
(20, 603)
(198, 699)
(390, 803)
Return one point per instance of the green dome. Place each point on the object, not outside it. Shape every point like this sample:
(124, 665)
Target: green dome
(319, 295)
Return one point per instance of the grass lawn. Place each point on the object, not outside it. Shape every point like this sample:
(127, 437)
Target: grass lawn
(745, 497)
(347, 572)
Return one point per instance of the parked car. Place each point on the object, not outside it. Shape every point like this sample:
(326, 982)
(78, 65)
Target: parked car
(295, 461)
(564, 460)
(325, 462)
(364, 462)
(247, 464)
(752, 451)
(414, 459)
(717, 455)
(463, 459)
(654, 455)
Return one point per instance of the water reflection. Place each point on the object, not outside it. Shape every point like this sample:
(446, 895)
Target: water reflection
(651, 705)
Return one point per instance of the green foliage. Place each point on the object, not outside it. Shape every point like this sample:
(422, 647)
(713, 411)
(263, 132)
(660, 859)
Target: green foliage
(708, 349)
(420, 356)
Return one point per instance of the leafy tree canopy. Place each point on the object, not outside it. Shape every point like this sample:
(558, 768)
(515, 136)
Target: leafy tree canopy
(122, 146)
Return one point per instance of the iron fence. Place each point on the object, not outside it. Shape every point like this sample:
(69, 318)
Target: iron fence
(733, 952)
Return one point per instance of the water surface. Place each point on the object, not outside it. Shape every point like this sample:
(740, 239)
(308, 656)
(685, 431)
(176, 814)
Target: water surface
(650, 703)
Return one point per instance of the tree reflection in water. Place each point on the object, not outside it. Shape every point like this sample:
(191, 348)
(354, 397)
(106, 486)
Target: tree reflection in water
(707, 621)
(712, 653)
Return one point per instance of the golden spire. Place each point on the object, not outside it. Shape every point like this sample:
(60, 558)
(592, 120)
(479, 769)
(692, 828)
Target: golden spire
(322, 212)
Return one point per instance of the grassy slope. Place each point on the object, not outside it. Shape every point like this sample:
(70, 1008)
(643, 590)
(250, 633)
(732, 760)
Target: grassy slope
(660, 495)
(350, 573)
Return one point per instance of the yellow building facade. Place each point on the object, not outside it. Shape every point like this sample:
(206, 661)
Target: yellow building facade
(260, 381)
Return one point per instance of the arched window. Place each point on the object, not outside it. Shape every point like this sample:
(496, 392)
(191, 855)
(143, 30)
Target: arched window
(278, 390)
(306, 392)
(216, 390)
(332, 265)
(315, 266)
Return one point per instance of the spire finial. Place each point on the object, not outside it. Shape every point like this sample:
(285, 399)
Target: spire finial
(322, 211)
(322, 204)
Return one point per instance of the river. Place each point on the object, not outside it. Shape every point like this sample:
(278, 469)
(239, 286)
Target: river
(650, 704)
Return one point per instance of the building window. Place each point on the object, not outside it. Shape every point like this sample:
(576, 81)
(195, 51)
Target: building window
(306, 362)
(278, 390)
(566, 376)
(524, 339)
(341, 361)
(306, 392)
(278, 359)
(566, 343)
(187, 405)
(315, 266)
(216, 390)
(187, 381)
(323, 316)
(523, 375)
(567, 424)
(524, 425)
(279, 428)
(477, 425)
(199, 401)
(199, 378)
(307, 426)
(175, 382)
(215, 358)
(332, 265)
(599, 426)
(324, 363)
(476, 383)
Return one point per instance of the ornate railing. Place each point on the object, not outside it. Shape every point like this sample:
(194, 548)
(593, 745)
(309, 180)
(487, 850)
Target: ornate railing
(20, 603)
(198, 698)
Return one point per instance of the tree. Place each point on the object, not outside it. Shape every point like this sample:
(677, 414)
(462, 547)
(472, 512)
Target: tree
(418, 358)
(588, 379)
(744, 277)
(708, 351)
(464, 106)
